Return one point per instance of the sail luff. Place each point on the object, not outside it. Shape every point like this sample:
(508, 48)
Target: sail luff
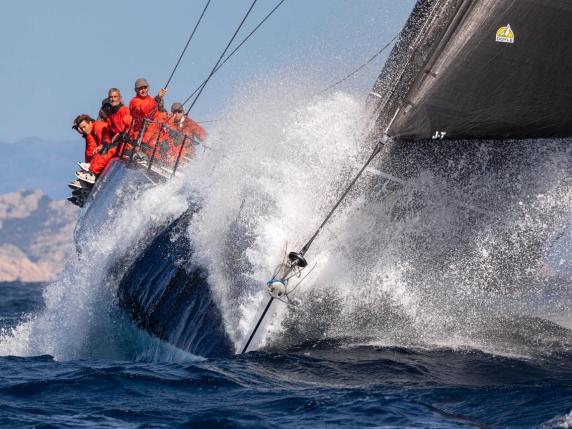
(473, 69)
(414, 45)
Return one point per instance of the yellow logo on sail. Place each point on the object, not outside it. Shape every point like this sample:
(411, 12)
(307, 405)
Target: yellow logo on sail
(505, 35)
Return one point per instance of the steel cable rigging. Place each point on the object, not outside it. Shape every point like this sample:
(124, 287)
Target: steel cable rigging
(188, 42)
(361, 66)
(349, 75)
(277, 285)
(222, 55)
(236, 49)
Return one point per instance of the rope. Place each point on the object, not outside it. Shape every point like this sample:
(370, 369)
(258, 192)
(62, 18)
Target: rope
(355, 71)
(376, 150)
(209, 121)
(188, 42)
(257, 325)
(236, 49)
(387, 45)
(222, 55)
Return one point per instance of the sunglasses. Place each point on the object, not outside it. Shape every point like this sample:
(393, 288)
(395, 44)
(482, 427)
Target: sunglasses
(142, 87)
(178, 111)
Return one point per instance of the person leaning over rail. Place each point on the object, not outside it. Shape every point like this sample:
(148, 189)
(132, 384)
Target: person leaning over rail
(105, 150)
(91, 147)
(180, 122)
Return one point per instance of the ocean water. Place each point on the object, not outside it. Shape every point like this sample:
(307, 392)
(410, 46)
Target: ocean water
(322, 384)
(438, 298)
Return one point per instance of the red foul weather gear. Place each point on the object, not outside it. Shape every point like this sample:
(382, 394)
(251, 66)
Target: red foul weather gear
(102, 137)
(119, 121)
(141, 108)
(99, 136)
(156, 133)
(90, 146)
(187, 127)
(100, 133)
(100, 160)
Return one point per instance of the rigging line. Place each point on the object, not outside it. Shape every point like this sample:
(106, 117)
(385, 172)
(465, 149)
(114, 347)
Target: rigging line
(377, 149)
(188, 42)
(237, 48)
(209, 121)
(222, 55)
(387, 45)
(296, 258)
(301, 280)
(257, 325)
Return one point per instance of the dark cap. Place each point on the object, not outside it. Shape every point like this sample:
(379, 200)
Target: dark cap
(177, 107)
(141, 82)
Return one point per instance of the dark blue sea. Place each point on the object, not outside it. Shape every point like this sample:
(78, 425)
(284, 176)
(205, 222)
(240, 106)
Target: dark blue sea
(316, 385)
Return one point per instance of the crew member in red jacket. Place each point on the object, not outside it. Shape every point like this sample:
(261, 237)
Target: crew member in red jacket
(118, 116)
(90, 144)
(143, 106)
(99, 132)
(119, 119)
(186, 127)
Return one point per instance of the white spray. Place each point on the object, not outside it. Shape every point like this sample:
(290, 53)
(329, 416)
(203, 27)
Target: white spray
(414, 262)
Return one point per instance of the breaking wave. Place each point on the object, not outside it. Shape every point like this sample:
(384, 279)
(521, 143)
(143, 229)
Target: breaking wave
(459, 244)
(456, 244)
(81, 318)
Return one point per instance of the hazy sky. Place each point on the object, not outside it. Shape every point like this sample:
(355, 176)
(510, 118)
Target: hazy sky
(59, 57)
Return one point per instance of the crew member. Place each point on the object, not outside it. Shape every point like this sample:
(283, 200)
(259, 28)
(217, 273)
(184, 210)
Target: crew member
(180, 122)
(119, 119)
(104, 151)
(91, 147)
(143, 106)
(118, 116)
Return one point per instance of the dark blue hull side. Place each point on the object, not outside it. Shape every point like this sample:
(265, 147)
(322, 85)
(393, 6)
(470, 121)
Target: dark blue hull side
(169, 297)
(160, 288)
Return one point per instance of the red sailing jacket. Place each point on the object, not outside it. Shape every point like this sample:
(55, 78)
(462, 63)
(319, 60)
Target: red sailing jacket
(101, 136)
(90, 146)
(155, 133)
(99, 161)
(189, 128)
(119, 121)
(100, 133)
(141, 108)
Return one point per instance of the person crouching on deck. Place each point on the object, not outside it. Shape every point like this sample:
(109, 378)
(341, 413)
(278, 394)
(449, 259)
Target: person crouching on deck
(94, 132)
(180, 122)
